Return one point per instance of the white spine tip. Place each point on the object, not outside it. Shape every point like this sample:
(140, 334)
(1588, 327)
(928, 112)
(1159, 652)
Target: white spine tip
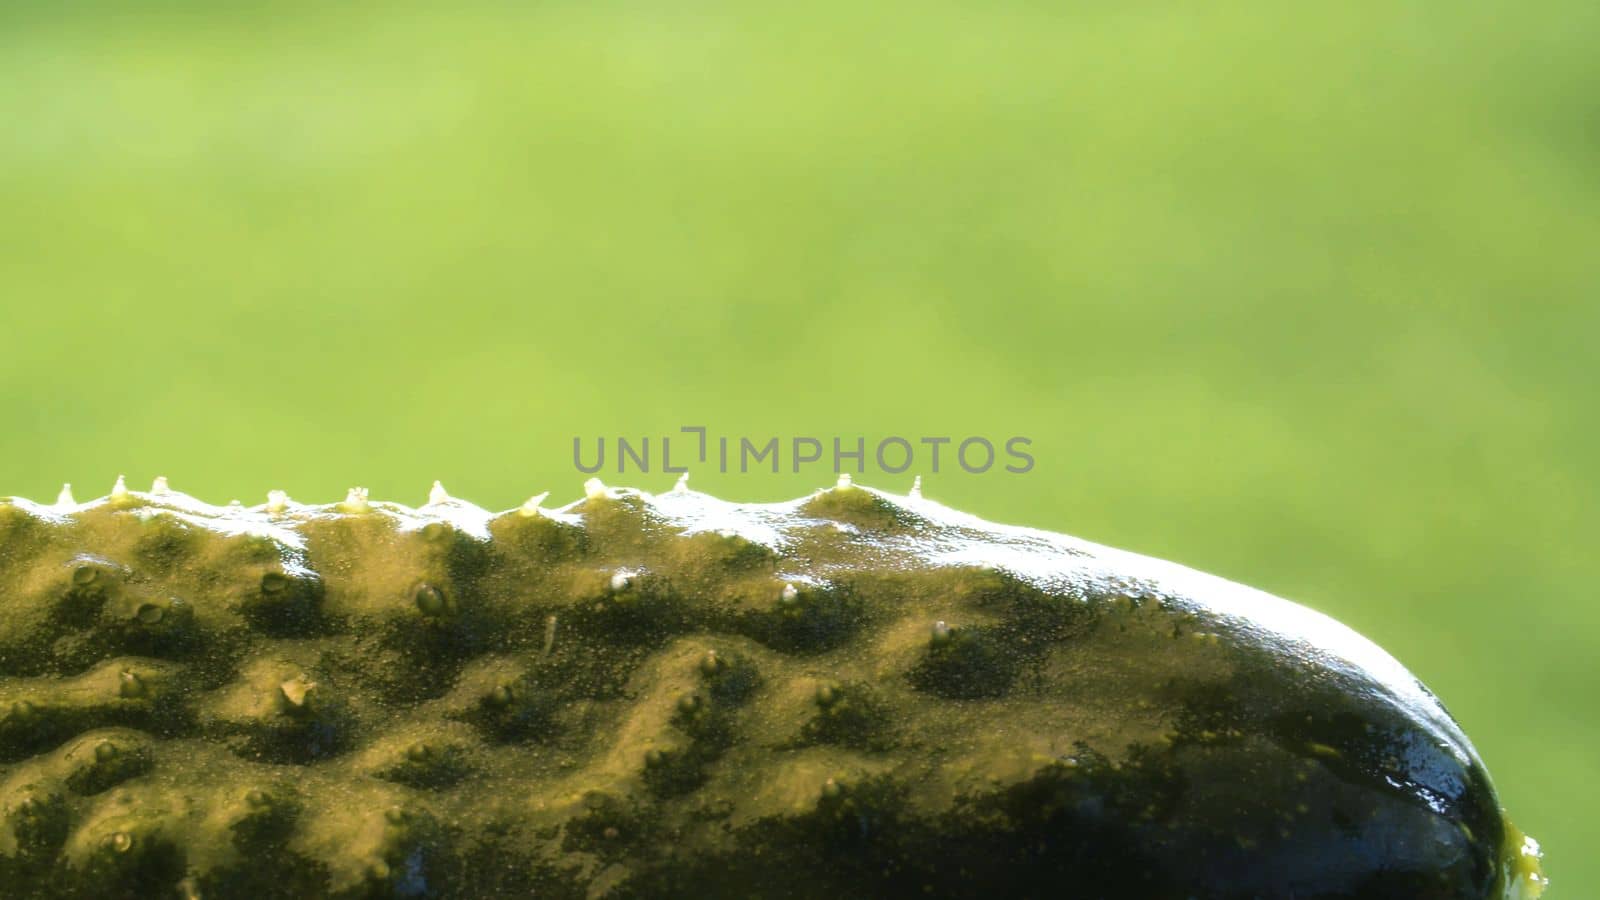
(682, 484)
(789, 592)
(531, 507)
(916, 487)
(119, 491)
(160, 486)
(356, 501)
(844, 481)
(438, 495)
(277, 502)
(593, 488)
(65, 498)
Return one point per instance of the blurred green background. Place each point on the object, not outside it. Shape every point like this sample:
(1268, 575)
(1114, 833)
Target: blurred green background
(1301, 294)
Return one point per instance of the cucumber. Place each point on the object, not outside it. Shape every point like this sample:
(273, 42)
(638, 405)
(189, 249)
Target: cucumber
(853, 694)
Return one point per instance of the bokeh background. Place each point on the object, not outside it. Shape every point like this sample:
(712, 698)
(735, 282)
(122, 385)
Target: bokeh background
(1302, 294)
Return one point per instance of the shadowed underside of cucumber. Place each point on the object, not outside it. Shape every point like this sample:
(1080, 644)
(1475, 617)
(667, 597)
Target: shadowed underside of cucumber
(848, 695)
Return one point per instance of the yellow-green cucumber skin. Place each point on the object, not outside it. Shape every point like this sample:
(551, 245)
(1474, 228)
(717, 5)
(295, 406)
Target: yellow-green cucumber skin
(853, 694)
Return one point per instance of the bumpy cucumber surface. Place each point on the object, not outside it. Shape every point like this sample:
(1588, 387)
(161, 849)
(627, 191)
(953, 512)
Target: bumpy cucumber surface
(853, 694)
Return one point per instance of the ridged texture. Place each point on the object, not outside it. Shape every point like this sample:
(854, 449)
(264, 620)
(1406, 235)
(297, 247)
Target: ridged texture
(849, 695)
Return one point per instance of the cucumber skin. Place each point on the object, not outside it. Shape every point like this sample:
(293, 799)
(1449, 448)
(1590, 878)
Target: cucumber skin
(851, 694)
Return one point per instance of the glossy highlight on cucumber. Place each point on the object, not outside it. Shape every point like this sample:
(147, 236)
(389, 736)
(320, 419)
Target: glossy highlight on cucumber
(852, 694)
